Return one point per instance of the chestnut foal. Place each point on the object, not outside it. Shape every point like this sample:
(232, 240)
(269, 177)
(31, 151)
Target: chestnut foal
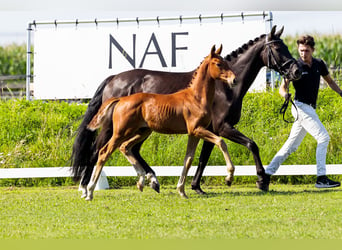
(185, 112)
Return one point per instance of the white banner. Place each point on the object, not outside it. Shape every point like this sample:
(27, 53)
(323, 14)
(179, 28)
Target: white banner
(71, 62)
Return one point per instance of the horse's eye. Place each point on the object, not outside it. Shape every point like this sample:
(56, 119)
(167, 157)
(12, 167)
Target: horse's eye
(218, 64)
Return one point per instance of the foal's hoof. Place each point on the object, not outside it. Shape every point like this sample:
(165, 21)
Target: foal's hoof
(183, 195)
(228, 182)
(155, 186)
(263, 183)
(140, 187)
(181, 191)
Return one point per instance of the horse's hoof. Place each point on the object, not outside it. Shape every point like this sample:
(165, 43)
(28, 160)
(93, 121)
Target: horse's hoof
(261, 186)
(140, 187)
(229, 180)
(183, 195)
(263, 183)
(181, 191)
(89, 198)
(155, 186)
(83, 196)
(198, 190)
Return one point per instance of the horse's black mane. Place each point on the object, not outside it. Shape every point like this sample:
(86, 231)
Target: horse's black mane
(234, 54)
(244, 47)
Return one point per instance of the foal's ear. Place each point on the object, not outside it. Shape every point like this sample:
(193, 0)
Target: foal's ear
(219, 50)
(212, 52)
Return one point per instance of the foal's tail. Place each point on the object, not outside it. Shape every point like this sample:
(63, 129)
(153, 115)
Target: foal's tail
(98, 119)
(83, 156)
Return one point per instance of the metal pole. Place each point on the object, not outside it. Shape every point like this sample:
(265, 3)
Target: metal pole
(28, 62)
(151, 19)
(272, 71)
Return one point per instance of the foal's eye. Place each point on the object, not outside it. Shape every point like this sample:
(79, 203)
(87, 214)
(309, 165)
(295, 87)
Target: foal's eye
(218, 64)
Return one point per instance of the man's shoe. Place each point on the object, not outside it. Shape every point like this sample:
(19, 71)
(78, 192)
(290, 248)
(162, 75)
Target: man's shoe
(324, 182)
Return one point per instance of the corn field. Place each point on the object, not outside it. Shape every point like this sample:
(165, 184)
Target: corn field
(328, 47)
(13, 60)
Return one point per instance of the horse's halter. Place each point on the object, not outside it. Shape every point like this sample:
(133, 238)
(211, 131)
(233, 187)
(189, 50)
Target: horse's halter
(277, 66)
(282, 71)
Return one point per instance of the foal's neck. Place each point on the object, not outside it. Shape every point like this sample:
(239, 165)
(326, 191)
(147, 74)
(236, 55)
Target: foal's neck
(202, 84)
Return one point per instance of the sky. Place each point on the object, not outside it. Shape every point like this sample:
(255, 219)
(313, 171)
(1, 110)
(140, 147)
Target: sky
(305, 16)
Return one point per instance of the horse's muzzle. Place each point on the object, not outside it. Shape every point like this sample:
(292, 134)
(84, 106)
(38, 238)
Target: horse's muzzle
(295, 72)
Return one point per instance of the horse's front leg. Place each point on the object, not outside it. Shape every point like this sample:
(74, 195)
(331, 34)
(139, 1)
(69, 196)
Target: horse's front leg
(203, 160)
(234, 135)
(211, 137)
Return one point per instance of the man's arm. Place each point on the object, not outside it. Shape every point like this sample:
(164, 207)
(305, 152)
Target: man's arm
(284, 87)
(332, 84)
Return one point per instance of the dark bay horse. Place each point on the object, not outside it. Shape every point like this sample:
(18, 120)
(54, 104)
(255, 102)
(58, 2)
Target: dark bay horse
(266, 50)
(187, 111)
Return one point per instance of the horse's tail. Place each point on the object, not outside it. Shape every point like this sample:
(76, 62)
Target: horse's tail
(98, 119)
(82, 160)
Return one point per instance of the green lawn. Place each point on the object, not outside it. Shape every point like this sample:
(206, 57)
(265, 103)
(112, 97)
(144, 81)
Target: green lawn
(238, 212)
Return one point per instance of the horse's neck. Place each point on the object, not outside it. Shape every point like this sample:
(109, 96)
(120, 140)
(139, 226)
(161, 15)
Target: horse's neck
(203, 86)
(246, 67)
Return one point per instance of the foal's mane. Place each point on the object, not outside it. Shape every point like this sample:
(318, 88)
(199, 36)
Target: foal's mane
(194, 75)
(234, 54)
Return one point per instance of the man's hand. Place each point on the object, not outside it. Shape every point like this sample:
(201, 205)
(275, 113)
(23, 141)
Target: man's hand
(287, 96)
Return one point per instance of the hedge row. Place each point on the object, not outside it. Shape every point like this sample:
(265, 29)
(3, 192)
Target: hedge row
(40, 134)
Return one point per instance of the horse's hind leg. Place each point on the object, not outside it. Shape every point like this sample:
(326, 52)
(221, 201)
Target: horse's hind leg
(190, 152)
(101, 140)
(236, 136)
(104, 153)
(83, 189)
(150, 174)
(126, 150)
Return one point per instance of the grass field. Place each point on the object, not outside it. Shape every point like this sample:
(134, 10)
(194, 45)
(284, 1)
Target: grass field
(239, 212)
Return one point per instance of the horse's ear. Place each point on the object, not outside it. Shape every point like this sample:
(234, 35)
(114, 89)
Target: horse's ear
(219, 50)
(212, 52)
(278, 34)
(271, 34)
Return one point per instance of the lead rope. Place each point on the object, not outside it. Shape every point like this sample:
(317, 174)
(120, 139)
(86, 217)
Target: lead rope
(285, 106)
